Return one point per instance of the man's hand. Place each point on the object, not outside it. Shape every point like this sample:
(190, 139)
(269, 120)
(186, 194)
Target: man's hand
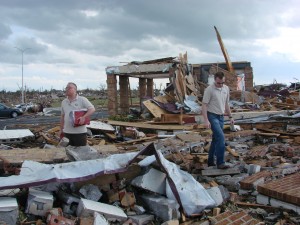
(81, 120)
(61, 135)
(207, 124)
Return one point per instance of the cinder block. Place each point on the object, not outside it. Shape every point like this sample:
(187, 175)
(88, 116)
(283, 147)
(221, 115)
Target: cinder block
(99, 219)
(39, 202)
(142, 219)
(262, 199)
(252, 169)
(216, 195)
(164, 208)
(277, 203)
(8, 211)
(153, 180)
(111, 213)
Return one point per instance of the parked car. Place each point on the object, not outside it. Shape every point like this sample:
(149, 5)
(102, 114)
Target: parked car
(6, 111)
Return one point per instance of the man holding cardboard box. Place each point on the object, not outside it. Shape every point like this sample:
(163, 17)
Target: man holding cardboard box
(71, 126)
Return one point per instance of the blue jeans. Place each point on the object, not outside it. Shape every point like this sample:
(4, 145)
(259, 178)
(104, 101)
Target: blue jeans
(217, 147)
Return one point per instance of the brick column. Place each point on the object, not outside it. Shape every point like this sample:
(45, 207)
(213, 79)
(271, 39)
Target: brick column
(124, 94)
(150, 91)
(142, 89)
(112, 96)
(248, 78)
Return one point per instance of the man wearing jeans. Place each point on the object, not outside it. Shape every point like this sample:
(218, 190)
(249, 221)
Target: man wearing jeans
(215, 104)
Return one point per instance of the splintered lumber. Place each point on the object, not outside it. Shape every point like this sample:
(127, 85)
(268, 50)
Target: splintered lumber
(232, 152)
(137, 140)
(153, 126)
(154, 109)
(224, 51)
(278, 132)
(18, 156)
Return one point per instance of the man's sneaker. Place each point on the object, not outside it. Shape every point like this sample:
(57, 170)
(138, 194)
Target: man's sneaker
(211, 164)
(223, 166)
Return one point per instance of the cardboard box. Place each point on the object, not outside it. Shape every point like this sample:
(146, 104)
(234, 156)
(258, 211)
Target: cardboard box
(76, 114)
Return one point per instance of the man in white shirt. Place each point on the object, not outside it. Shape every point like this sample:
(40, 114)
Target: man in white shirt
(215, 104)
(77, 135)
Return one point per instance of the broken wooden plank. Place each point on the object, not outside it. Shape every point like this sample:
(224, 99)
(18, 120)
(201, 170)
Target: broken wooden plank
(155, 110)
(218, 172)
(232, 152)
(137, 140)
(18, 156)
(279, 132)
(224, 51)
(152, 126)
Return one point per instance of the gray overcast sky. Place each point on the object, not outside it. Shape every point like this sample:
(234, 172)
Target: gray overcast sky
(75, 40)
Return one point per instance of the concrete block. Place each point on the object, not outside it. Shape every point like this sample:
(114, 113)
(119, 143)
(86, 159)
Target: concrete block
(91, 192)
(215, 194)
(111, 213)
(262, 199)
(219, 194)
(139, 209)
(277, 203)
(231, 183)
(69, 202)
(8, 211)
(153, 180)
(164, 208)
(99, 219)
(142, 219)
(244, 192)
(39, 202)
(252, 169)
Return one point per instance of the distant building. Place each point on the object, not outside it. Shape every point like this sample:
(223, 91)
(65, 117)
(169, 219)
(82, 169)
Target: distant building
(242, 79)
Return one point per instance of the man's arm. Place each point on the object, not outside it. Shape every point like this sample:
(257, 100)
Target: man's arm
(204, 114)
(89, 112)
(62, 123)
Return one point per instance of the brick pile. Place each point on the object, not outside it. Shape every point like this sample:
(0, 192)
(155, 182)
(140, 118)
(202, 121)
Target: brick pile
(286, 189)
(234, 218)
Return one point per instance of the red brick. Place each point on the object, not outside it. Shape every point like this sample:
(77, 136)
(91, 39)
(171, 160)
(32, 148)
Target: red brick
(247, 183)
(237, 222)
(223, 222)
(223, 216)
(285, 189)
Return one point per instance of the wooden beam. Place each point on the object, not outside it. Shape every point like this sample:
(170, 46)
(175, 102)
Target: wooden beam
(224, 51)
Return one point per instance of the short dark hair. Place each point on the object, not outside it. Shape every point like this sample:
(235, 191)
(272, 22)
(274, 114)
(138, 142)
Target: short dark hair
(219, 75)
(73, 84)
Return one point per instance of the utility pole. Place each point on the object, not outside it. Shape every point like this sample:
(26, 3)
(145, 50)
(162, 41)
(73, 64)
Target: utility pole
(22, 51)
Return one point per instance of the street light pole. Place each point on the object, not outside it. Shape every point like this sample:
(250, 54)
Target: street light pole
(22, 51)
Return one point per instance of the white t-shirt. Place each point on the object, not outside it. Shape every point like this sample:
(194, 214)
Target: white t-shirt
(216, 98)
(67, 106)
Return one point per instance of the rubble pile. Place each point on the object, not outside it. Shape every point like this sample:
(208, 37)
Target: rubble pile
(152, 169)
